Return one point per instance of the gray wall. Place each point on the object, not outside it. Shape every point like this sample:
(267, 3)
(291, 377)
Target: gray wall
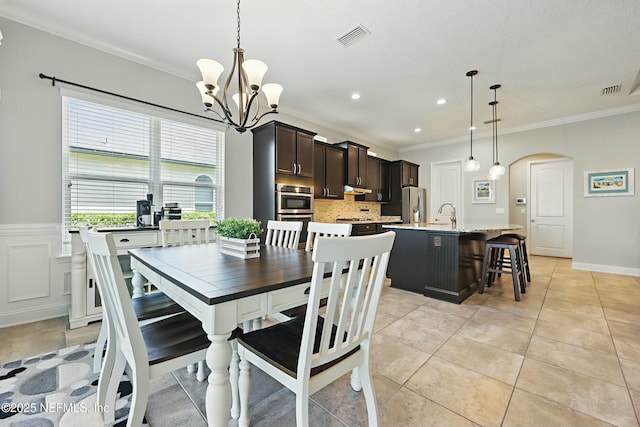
(606, 230)
(30, 120)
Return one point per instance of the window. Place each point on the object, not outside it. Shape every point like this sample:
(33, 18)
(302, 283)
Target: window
(114, 156)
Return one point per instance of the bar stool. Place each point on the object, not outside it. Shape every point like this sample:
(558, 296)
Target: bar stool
(493, 263)
(522, 240)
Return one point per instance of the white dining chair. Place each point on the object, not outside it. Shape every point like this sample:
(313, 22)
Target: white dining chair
(306, 354)
(144, 352)
(325, 229)
(148, 307)
(283, 233)
(314, 230)
(186, 232)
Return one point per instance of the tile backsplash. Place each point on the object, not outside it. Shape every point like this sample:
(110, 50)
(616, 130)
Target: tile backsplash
(325, 210)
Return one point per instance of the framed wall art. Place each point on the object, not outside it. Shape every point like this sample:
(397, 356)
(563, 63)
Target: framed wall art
(614, 182)
(483, 191)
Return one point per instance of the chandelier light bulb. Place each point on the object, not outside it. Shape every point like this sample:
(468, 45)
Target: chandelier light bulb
(255, 70)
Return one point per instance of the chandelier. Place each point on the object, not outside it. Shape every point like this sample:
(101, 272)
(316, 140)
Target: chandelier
(246, 78)
(497, 170)
(471, 165)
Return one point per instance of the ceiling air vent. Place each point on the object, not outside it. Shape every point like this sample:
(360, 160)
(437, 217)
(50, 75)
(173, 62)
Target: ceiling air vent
(610, 90)
(353, 35)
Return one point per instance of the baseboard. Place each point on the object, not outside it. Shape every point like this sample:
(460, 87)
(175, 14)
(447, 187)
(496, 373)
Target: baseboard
(33, 315)
(606, 268)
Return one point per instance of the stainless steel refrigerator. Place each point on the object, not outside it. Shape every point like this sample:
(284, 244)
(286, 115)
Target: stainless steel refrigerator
(414, 204)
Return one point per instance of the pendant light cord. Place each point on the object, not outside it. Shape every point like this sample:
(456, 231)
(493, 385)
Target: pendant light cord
(495, 121)
(471, 124)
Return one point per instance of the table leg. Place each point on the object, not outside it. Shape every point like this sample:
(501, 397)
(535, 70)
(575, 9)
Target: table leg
(234, 373)
(218, 400)
(244, 386)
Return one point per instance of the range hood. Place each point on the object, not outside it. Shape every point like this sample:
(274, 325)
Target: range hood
(355, 190)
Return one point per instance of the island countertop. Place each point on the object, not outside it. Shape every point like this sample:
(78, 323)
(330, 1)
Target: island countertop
(460, 227)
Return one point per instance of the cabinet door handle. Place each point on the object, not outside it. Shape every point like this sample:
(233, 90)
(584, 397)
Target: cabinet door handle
(124, 240)
(299, 169)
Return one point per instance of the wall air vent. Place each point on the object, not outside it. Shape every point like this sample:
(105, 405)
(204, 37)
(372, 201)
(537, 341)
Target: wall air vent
(353, 35)
(610, 90)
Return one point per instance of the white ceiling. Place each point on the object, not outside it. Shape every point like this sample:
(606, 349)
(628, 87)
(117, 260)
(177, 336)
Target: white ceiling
(552, 57)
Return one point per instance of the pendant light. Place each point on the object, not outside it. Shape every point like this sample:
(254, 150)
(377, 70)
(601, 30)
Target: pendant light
(471, 165)
(497, 170)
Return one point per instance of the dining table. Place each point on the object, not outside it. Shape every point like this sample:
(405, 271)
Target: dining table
(223, 291)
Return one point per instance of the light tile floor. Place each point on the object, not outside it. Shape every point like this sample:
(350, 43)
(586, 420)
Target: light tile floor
(567, 354)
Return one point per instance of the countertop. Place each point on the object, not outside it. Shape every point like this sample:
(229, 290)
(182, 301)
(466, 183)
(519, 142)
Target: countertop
(368, 221)
(460, 228)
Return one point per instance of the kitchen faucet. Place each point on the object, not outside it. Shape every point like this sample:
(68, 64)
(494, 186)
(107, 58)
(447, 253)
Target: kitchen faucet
(453, 213)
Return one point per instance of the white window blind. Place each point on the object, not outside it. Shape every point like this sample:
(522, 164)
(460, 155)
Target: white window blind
(113, 157)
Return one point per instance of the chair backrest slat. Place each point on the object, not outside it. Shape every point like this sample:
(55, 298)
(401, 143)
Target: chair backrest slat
(351, 303)
(184, 232)
(283, 233)
(325, 229)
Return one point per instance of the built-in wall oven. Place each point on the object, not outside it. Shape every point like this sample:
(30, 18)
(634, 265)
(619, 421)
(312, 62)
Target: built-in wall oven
(295, 203)
(294, 199)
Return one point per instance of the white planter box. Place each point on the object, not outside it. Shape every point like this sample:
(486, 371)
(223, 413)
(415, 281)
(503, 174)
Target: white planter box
(241, 248)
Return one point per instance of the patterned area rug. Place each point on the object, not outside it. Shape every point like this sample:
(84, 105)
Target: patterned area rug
(56, 389)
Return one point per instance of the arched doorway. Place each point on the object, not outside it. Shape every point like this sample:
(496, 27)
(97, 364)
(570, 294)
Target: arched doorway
(541, 201)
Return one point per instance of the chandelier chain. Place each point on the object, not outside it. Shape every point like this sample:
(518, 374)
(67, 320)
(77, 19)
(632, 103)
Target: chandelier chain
(238, 19)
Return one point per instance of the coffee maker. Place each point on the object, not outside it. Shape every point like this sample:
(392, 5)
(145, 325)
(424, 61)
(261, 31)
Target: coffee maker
(143, 207)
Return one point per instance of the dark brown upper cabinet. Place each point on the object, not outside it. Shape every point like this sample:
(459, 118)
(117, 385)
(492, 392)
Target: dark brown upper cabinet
(294, 151)
(377, 180)
(328, 171)
(409, 174)
(355, 164)
(289, 147)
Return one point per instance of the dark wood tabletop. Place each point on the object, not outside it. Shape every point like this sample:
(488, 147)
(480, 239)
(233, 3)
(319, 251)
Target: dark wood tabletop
(214, 278)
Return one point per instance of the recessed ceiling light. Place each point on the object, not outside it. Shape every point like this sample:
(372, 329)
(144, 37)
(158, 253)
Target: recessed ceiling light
(442, 101)
(417, 130)
(355, 96)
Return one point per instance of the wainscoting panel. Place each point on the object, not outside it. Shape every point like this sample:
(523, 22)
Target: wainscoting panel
(29, 271)
(33, 269)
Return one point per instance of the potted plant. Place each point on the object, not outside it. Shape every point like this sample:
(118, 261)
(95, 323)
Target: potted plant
(239, 237)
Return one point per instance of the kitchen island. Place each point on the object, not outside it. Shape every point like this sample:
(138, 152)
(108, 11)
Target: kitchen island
(439, 261)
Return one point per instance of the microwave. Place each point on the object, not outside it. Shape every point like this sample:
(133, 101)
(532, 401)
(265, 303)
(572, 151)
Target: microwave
(294, 199)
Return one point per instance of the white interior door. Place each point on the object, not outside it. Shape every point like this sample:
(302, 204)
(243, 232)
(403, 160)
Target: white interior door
(551, 208)
(446, 187)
